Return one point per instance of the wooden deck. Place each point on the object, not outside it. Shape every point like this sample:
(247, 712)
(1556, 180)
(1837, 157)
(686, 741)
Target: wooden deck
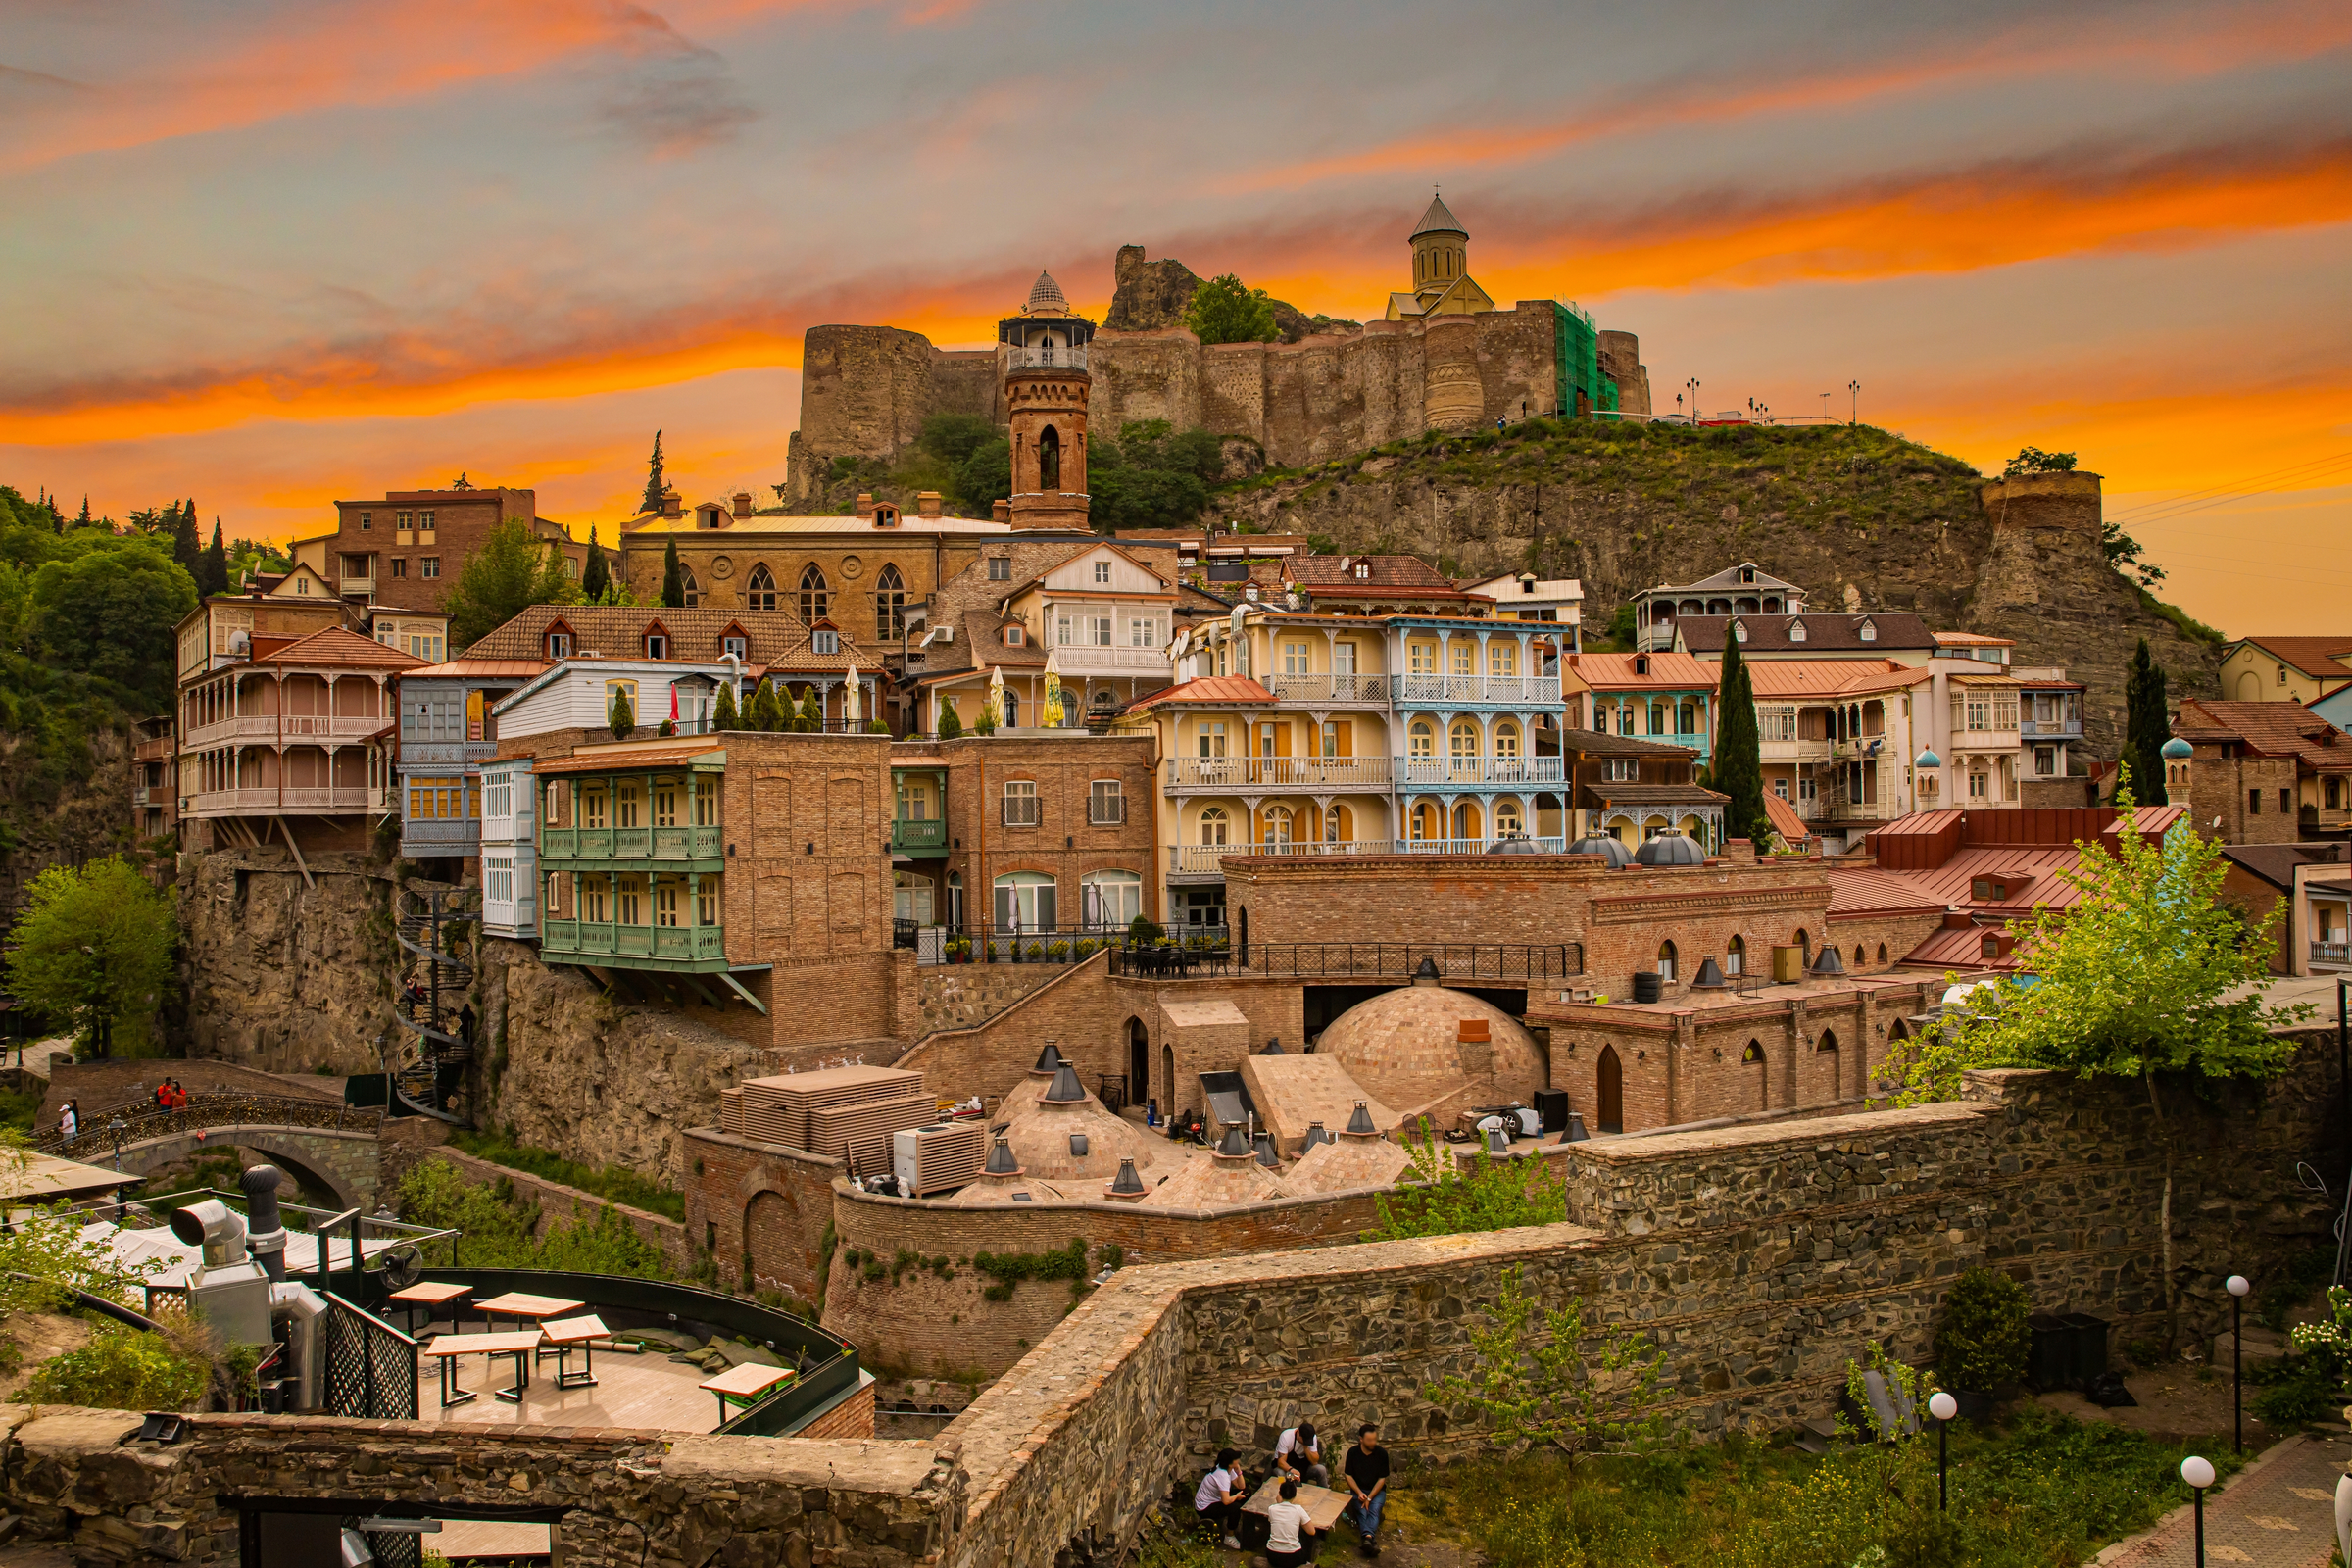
(644, 1393)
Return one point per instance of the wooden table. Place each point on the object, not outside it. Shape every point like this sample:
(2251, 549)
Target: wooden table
(521, 1305)
(429, 1295)
(447, 1347)
(565, 1335)
(744, 1385)
(1322, 1505)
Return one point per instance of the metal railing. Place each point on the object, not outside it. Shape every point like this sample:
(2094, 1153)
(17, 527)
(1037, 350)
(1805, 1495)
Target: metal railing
(1021, 357)
(1055, 943)
(1330, 688)
(1389, 960)
(144, 1120)
(2332, 953)
(1106, 810)
(1302, 773)
(370, 1365)
(674, 842)
(910, 834)
(1547, 846)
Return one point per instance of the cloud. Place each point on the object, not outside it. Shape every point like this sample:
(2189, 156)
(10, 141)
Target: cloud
(673, 95)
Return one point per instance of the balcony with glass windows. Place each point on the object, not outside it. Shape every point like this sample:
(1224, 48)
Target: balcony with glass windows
(1095, 659)
(1040, 357)
(918, 827)
(667, 819)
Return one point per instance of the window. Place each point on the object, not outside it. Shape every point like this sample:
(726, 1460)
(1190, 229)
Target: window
(1734, 956)
(400, 565)
(1502, 660)
(1868, 632)
(1020, 803)
(665, 802)
(1666, 962)
(1105, 806)
(1796, 631)
(1776, 723)
(1295, 659)
(1465, 657)
(2286, 802)
(1013, 637)
(890, 605)
(693, 588)
(428, 566)
(1000, 568)
(656, 645)
(706, 804)
(1507, 817)
(1214, 824)
(706, 901)
(559, 645)
(367, 522)
(1739, 631)
(613, 687)
(593, 906)
(1143, 633)
(1462, 741)
(1621, 769)
(1338, 737)
(2281, 674)
(627, 805)
(1025, 902)
(1989, 947)
(1625, 719)
(2045, 761)
(555, 801)
(666, 902)
(572, 568)
(1506, 741)
(2253, 802)
(736, 645)
(1978, 787)
(816, 596)
(631, 900)
(400, 519)
(1110, 900)
(425, 520)
(1102, 571)
(1209, 735)
(1780, 787)
(1686, 717)
(1363, 571)
(1424, 739)
(436, 799)
(498, 878)
(760, 589)
(1100, 627)
(1278, 822)
(824, 640)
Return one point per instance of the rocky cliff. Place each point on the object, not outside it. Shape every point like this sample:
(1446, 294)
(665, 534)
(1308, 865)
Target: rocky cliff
(63, 801)
(1862, 518)
(1148, 296)
(282, 973)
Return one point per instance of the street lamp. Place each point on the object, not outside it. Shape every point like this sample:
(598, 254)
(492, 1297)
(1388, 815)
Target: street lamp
(1943, 1407)
(2238, 1358)
(1854, 417)
(118, 1127)
(2198, 1473)
(1692, 384)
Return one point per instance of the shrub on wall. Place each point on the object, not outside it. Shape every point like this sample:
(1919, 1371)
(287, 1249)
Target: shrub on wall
(1008, 1270)
(122, 1369)
(1983, 1340)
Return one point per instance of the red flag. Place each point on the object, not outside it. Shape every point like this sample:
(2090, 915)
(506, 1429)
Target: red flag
(673, 704)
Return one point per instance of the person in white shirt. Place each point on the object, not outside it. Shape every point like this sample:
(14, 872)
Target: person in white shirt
(1289, 1530)
(1218, 1498)
(1299, 1453)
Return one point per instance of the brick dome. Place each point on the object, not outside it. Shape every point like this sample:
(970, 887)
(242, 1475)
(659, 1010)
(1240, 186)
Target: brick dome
(1041, 1136)
(1407, 1047)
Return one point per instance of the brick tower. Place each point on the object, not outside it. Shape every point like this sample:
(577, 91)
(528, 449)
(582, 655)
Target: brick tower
(1045, 388)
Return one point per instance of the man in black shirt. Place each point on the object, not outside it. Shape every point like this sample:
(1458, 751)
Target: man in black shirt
(1367, 1472)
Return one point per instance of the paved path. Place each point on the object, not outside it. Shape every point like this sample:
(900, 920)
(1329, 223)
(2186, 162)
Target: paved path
(2279, 1512)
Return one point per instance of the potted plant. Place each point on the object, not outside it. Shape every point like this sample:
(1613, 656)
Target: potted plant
(1981, 1345)
(960, 950)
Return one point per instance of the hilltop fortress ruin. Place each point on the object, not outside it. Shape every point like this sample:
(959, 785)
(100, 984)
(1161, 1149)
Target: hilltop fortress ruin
(1446, 357)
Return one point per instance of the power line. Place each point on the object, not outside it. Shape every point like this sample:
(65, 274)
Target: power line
(2296, 476)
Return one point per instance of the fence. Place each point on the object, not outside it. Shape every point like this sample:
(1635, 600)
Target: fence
(1037, 942)
(142, 1119)
(1401, 960)
(370, 1365)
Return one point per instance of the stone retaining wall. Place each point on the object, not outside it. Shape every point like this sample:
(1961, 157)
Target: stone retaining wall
(408, 1140)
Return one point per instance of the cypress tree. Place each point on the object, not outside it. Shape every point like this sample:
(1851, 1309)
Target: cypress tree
(596, 576)
(725, 717)
(184, 545)
(674, 577)
(1739, 771)
(767, 714)
(653, 479)
(212, 568)
(812, 712)
(950, 724)
(2147, 725)
(623, 717)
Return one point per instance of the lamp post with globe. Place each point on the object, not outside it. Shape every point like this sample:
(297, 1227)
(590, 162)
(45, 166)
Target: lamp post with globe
(2238, 1287)
(1943, 1407)
(2198, 1473)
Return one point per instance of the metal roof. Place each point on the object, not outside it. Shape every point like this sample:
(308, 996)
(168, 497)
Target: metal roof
(1439, 218)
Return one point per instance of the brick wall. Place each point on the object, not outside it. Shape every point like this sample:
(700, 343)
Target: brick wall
(762, 1209)
(2220, 784)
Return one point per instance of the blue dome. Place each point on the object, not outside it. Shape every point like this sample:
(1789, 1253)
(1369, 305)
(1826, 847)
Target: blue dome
(2176, 749)
(1928, 759)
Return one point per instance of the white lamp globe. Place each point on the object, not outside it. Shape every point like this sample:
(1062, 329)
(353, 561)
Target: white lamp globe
(1943, 1407)
(2197, 1472)
(2237, 1284)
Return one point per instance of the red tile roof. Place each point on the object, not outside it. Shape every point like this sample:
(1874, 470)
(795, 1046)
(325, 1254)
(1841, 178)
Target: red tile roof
(2321, 657)
(656, 754)
(1387, 572)
(333, 645)
(2273, 729)
(1204, 689)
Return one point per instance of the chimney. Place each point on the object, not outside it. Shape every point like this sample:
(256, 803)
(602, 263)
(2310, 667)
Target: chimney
(926, 503)
(1001, 512)
(865, 504)
(670, 506)
(743, 504)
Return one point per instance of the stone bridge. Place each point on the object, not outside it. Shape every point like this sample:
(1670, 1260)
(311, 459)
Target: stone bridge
(319, 1142)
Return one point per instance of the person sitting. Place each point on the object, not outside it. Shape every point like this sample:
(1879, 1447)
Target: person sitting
(1367, 1470)
(1218, 1500)
(1299, 1454)
(1289, 1530)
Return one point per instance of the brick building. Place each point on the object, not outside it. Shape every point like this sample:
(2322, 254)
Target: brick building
(404, 550)
(2264, 772)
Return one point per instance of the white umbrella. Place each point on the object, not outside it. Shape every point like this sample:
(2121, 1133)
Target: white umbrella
(994, 707)
(849, 703)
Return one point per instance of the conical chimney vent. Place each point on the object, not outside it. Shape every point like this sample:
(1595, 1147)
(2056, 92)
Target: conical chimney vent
(1360, 1124)
(1066, 1089)
(1127, 1181)
(1234, 1145)
(1048, 1059)
(1001, 1162)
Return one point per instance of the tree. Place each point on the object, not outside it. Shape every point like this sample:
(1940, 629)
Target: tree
(767, 714)
(623, 718)
(185, 548)
(2033, 460)
(509, 572)
(110, 611)
(597, 576)
(674, 577)
(2147, 725)
(654, 486)
(985, 476)
(1544, 1392)
(953, 437)
(812, 711)
(93, 946)
(1144, 497)
(724, 717)
(212, 568)
(1444, 1200)
(2133, 980)
(1223, 309)
(950, 724)
(1737, 770)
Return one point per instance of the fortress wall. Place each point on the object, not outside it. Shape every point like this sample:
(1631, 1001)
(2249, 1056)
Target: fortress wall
(1518, 368)
(1144, 376)
(964, 381)
(1232, 388)
(864, 389)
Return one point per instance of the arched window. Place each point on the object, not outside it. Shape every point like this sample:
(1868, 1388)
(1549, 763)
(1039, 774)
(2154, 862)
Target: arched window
(1666, 962)
(1804, 943)
(1506, 741)
(1339, 825)
(760, 590)
(1734, 956)
(890, 606)
(1467, 823)
(1424, 738)
(1608, 1084)
(1049, 460)
(1881, 952)
(1428, 820)
(1829, 1039)
(1755, 1051)
(694, 588)
(1462, 740)
(1507, 818)
(814, 594)
(1214, 824)
(1277, 820)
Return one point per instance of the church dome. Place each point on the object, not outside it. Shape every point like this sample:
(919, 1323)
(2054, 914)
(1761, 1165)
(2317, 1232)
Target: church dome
(1407, 1046)
(1671, 848)
(1438, 219)
(1045, 298)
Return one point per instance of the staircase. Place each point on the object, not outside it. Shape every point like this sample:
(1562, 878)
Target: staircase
(426, 1069)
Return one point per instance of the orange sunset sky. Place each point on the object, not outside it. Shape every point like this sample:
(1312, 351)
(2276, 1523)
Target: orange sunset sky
(272, 253)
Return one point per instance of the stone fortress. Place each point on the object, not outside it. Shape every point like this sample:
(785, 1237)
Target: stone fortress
(1447, 356)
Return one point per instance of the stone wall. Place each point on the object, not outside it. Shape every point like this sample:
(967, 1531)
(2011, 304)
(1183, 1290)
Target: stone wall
(763, 1210)
(410, 1141)
(962, 995)
(102, 1086)
(285, 974)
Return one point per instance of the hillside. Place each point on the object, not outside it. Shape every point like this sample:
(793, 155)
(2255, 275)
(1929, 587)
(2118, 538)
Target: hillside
(1863, 519)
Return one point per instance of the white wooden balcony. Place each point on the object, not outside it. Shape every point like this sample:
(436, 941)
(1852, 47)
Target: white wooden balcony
(1227, 774)
(1801, 750)
(1515, 690)
(1550, 845)
(1478, 773)
(263, 800)
(1205, 861)
(1087, 658)
(1336, 689)
(263, 729)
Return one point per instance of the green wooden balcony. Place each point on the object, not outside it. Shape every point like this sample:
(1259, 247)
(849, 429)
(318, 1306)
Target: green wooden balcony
(633, 846)
(699, 948)
(920, 838)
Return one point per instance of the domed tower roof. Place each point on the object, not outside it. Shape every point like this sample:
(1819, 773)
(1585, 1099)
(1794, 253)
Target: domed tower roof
(1411, 1046)
(1045, 298)
(1607, 847)
(2176, 749)
(1671, 848)
(1438, 219)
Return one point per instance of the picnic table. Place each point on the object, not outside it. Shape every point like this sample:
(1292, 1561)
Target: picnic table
(523, 1307)
(447, 1347)
(429, 1293)
(1322, 1505)
(565, 1335)
(744, 1385)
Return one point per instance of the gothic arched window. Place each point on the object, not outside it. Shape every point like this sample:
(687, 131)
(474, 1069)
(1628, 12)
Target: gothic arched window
(1049, 460)
(694, 589)
(890, 605)
(760, 590)
(814, 594)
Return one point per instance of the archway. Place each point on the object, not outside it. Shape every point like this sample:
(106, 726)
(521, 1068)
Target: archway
(1167, 1080)
(1609, 1091)
(1826, 1051)
(1735, 956)
(1756, 1085)
(1666, 956)
(1049, 460)
(1139, 1060)
(767, 1214)
(1804, 944)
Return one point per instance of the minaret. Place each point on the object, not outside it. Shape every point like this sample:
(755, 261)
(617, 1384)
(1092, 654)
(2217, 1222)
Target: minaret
(1045, 388)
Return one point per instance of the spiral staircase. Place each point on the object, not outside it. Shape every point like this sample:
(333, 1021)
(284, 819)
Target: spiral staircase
(426, 1069)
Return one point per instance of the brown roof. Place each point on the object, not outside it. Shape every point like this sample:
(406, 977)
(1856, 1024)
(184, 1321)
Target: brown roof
(1831, 677)
(1833, 633)
(1788, 824)
(2321, 657)
(2272, 729)
(799, 656)
(617, 631)
(333, 645)
(1664, 671)
(654, 754)
(1204, 689)
(1654, 795)
(1408, 572)
(2275, 864)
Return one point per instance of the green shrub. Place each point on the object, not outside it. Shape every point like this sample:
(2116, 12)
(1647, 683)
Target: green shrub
(605, 1181)
(1984, 1341)
(121, 1369)
(1008, 1270)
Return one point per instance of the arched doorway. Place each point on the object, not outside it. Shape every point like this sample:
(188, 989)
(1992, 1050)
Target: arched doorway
(1139, 1060)
(1168, 1080)
(1609, 1091)
(1825, 1052)
(1049, 460)
(1755, 1088)
(767, 1214)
